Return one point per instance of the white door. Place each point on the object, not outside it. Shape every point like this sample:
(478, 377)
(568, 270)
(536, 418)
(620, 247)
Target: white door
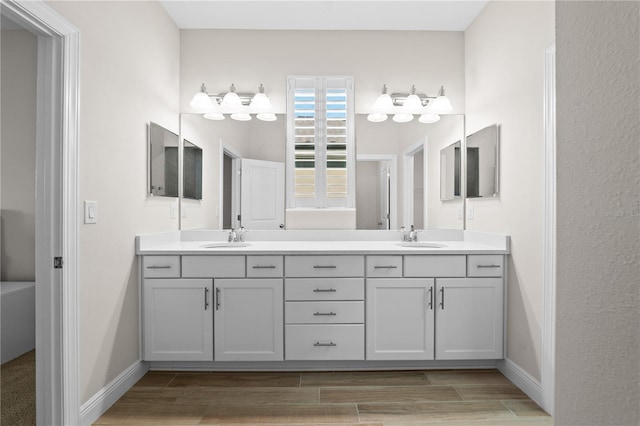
(469, 315)
(262, 194)
(399, 318)
(248, 319)
(178, 320)
(383, 209)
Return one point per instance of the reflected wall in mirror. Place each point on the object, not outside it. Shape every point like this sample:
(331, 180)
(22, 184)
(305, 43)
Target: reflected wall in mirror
(163, 161)
(409, 152)
(415, 193)
(235, 191)
(482, 163)
(191, 171)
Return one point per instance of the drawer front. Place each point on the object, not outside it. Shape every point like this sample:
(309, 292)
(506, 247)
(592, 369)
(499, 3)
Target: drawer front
(324, 266)
(324, 289)
(213, 266)
(384, 266)
(324, 312)
(161, 266)
(485, 265)
(264, 266)
(433, 266)
(324, 342)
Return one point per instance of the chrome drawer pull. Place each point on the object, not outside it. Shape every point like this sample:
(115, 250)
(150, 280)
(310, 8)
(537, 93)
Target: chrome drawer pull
(159, 267)
(488, 266)
(206, 298)
(264, 267)
(324, 344)
(322, 290)
(442, 298)
(324, 267)
(218, 297)
(385, 267)
(320, 314)
(431, 298)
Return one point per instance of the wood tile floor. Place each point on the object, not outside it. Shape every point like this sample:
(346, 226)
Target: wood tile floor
(417, 398)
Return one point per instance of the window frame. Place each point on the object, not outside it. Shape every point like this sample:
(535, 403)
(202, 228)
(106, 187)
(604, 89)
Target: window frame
(320, 84)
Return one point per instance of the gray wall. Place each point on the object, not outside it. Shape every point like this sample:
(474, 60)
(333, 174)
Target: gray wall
(598, 223)
(18, 152)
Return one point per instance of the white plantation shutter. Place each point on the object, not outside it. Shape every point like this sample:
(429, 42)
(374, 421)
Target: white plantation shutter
(320, 142)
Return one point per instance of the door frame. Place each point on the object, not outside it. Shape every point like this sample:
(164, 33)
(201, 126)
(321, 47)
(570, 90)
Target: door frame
(57, 209)
(393, 182)
(408, 183)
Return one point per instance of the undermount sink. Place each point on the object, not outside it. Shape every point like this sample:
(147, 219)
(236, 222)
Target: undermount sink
(420, 245)
(225, 245)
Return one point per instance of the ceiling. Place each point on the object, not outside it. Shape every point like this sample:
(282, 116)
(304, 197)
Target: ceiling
(394, 15)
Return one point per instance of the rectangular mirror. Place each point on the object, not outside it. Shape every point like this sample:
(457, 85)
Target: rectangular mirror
(482, 163)
(450, 172)
(191, 171)
(163, 161)
(397, 172)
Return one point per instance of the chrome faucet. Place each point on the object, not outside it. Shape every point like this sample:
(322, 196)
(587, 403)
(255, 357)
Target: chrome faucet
(410, 236)
(236, 236)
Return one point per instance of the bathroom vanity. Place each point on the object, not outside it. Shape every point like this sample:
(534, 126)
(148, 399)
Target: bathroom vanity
(314, 299)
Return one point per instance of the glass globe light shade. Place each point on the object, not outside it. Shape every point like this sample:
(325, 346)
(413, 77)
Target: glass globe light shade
(377, 117)
(231, 101)
(383, 103)
(201, 101)
(412, 105)
(241, 116)
(214, 116)
(266, 116)
(402, 118)
(428, 118)
(260, 102)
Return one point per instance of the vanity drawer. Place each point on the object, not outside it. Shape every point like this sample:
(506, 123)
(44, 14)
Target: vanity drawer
(324, 266)
(213, 266)
(324, 312)
(324, 289)
(384, 266)
(161, 266)
(433, 266)
(264, 266)
(324, 342)
(485, 265)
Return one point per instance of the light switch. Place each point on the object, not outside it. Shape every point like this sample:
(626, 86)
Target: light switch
(90, 212)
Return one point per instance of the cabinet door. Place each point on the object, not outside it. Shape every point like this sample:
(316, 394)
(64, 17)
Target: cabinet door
(469, 318)
(178, 320)
(399, 319)
(249, 320)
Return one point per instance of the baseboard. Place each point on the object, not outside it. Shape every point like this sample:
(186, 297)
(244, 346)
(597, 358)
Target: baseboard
(107, 396)
(521, 379)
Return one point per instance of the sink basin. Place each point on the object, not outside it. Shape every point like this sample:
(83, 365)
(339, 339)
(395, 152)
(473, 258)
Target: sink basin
(420, 245)
(225, 245)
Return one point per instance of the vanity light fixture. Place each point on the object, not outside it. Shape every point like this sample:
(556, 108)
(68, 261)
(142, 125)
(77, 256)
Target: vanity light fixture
(240, 106)
(404, 106)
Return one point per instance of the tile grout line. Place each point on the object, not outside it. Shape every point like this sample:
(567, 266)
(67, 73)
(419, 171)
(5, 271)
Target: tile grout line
(510, 410)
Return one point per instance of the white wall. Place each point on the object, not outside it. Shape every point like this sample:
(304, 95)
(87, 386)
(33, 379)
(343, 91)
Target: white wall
(129, 75)
(504, 62)
(19, 65)
(598, 216)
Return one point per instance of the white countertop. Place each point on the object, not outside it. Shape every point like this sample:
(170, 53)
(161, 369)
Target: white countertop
(320, 247)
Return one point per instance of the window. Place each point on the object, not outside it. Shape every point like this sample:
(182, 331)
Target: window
(320, 160)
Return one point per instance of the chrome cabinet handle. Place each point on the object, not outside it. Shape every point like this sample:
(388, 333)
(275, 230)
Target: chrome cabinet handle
(159, 267)
(324, 344)
(442, 298)
(206, 298)
(320, 314)
(322, 290)
(218, 297)
(488, 266)
(264, 267)
(324, 267)
(385, 267)
(431, 298)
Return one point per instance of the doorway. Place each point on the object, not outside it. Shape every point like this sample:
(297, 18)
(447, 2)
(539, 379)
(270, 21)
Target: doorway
(56, 212)
(415, 186)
